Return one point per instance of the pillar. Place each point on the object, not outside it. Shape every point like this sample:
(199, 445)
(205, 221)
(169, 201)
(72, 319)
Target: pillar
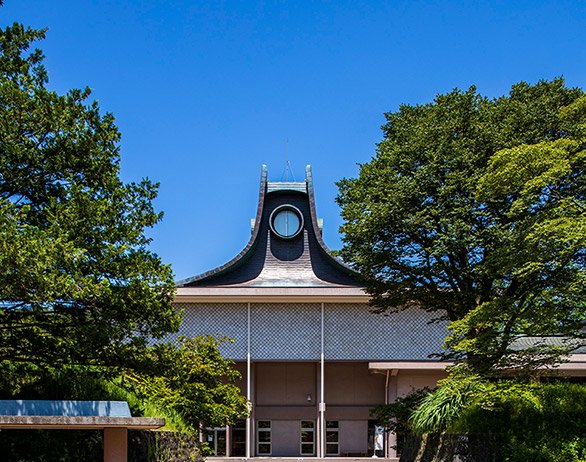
(249, 394)
(322, 403)
(115, 444)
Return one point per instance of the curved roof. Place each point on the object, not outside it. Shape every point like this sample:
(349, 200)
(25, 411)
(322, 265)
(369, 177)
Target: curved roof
(270, 261)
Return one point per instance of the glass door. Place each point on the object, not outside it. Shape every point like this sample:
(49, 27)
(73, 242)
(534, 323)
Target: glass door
(263, 438)
(307, 438)
(216, 440)
(239, 439)
(332, 438)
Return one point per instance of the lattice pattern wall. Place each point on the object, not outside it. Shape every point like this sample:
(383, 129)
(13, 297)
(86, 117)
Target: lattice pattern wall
(285, 332)
(353, 332)
(220, 320)
(292, 331)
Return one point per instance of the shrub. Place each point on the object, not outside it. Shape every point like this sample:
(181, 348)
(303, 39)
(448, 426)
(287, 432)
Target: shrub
(537, 422)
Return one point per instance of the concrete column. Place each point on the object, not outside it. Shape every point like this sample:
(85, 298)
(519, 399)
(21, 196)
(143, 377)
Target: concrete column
(322, 403)
(318, 429)
(250, 391)
(116, 444)
(252, 440)
(248, 387)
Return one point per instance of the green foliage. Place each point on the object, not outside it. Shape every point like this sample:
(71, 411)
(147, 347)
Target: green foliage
(163, 446)
(476, 208)
(441, 408)
(187, 384)
(30, 381)
(51, 445)
(537, 422)
(81, 296)
(194, 381)
(77, 281)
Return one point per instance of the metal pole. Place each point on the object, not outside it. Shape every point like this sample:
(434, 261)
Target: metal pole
(387, 438)
(248, 385)
(322, 404)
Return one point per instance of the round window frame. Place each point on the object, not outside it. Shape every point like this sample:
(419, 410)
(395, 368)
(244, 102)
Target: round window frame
(282, 208)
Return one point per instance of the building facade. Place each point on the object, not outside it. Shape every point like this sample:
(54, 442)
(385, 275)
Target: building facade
(315, 360)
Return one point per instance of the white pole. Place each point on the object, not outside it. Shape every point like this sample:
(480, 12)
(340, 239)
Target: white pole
(322, 404)
(248, 385)
(387, 439)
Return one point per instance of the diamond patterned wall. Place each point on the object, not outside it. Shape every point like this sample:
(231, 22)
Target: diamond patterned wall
(352, 332)
(220, 320)
(292, 331)
(285, 331)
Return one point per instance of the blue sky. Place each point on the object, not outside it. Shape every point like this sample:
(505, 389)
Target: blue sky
(206, 92)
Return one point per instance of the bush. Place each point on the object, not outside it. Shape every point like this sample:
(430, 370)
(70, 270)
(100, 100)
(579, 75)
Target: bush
(447, 447)
(87, 445)
(50, 445)
(539, 422)
(163, 446)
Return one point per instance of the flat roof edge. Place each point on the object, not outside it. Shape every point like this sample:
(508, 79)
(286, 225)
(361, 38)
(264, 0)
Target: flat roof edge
(264, 294)
(574, 362)
(78, 422)
(412, 365)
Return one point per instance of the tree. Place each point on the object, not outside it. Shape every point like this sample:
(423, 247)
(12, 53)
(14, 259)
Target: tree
(475, 208)
(193, 380)
(77, 280)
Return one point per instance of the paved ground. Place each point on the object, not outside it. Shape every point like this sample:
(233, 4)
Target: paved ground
(304, 459)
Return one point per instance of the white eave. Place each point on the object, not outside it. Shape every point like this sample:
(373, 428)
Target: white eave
(271, 295)
(410, 365)
(575, 365)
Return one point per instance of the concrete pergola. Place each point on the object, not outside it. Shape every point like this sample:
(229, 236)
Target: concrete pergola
(112, 417)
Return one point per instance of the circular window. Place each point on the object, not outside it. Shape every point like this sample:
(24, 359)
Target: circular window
(286, 221)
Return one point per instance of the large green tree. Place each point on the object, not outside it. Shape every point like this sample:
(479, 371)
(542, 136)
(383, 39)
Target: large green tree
(474, 208)
(193, 380)
(77, 280)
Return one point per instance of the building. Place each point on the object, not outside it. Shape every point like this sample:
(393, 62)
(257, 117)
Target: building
(314, 359)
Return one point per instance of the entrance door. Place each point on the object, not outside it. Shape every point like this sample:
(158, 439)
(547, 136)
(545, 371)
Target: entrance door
(239, 439)
(263, 438)
(332, 438)
(216, 440)
(307, 437)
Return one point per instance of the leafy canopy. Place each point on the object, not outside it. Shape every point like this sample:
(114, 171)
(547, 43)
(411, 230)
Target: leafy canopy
(77, 281)
(534, 421)
(192, 380)
(476, 208)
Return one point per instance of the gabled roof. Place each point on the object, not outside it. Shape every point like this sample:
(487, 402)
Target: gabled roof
(271, 261)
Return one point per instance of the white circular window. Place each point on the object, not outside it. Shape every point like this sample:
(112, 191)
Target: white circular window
(286, 221)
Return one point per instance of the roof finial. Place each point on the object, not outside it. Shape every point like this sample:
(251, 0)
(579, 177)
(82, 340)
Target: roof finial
(288, 170)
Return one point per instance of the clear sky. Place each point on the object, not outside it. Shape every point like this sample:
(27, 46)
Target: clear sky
(206, 92)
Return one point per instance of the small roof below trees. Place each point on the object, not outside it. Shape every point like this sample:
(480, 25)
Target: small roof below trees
(113, 417)
(74, 415)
